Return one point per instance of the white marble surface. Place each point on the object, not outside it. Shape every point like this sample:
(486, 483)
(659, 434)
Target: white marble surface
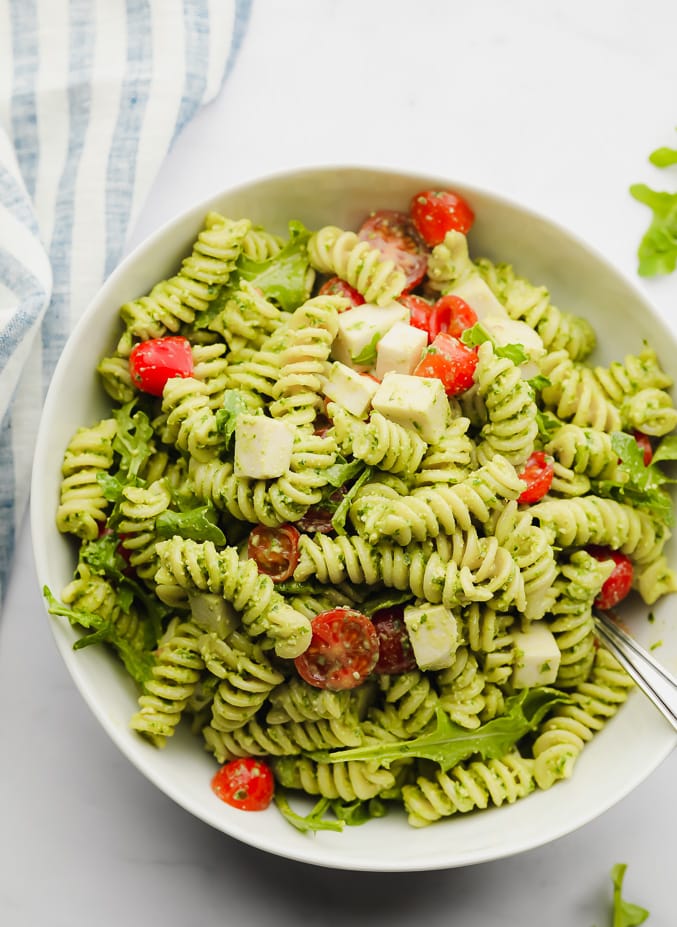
(557, 104)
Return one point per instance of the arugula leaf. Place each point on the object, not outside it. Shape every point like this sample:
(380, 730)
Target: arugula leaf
(625, 914)
(198, 524)
(386, 599)
(358, 812)
(342, 471)
(341, 513)
(137, 663)
(547, 425)
(477, 335)
(313, 821)
(666, 450)
(367, 355)
(283, 277)
(449, 743)
(663, 157)
(643, 485)
(657, 252)
(235, 403)
(132, 440)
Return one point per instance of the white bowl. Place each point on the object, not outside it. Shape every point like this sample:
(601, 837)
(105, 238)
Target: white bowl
(629, 748)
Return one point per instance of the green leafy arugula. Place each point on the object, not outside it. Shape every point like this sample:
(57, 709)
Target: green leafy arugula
(197, 524)
(477, 335)
(138, 663)
(449, 743)
(624, 913)
(283, 277)
(657, 251)
(367, 356)
(644, 485)
(235, 403)
(132, 441)
(341, 514)
(352, 813)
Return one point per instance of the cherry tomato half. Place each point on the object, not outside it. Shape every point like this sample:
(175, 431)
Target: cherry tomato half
(419, 312)
(343, 650)
(452, 315)
(436, 212)
(395, 235)
(275, 550)
(153, 362)
(619, 583)
(245, 783)
(645, 446)
(337, 287)
(395, 653)
(450, 361)
(537, 474)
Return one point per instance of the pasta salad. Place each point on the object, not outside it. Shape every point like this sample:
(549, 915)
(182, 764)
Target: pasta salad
(356, 499)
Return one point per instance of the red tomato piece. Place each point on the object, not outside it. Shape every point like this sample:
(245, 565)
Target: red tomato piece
(337, 287)
(275, 550)
(395, 653)
(450, 361)
(419, 312)
(619, 583)
(452, 315)
(157, 360)
(245, 783)
(436, 212)
(395, 236)
(645, 446)
(343, 650)
(537, 474)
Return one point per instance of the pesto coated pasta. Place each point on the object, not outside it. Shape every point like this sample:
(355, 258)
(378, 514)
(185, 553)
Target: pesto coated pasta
(340, 530)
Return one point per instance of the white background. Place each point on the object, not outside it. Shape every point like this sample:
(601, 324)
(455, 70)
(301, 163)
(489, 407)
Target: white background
(556, 104)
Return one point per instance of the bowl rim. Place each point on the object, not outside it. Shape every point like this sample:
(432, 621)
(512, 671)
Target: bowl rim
(100, 303)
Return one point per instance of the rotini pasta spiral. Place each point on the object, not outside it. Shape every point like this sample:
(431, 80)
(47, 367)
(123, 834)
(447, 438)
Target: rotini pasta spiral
(350, 780)
(83, 504)
(190, 423)
(334, 251)
(139, 509)
(193, 565)
(378, 442)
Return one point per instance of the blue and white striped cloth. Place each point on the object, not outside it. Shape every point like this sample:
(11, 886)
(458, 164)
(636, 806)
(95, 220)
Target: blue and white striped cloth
(92, 95)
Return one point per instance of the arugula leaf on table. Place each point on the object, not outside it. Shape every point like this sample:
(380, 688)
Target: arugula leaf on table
(449, 743)
(283, 277)
(657, 250)
(625, 913)
(663, 157)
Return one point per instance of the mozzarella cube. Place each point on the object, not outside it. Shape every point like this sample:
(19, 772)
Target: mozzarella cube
(505, 331)
(400, 349)
(360, 329)
(479, 296)
(263, 447)
(417, 403)
(537, 657)
(433, 632)
(349, 389)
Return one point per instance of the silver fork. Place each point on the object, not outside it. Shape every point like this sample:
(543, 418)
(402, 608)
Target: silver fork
(654, 680)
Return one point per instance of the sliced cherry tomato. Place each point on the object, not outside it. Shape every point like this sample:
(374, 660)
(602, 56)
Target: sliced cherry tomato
(436, 212)
(337, 287)
(452, 315)
(275, 550)
(450, 361)
(395, 235)
(245, 783)
(645, 446)
(157, 360)
(419, 312)
(395, 653)
(619, 583)
(537, 474)
(343, 650)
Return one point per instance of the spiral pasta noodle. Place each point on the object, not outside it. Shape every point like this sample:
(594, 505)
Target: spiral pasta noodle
(83, 504)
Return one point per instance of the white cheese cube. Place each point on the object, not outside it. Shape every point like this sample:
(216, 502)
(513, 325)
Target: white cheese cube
(479, 296)
(400, 349)
(417, 403)
(537, 657)
(349, 389)
(505, 331)
(360, 329)
(263, 447)
(433, 632)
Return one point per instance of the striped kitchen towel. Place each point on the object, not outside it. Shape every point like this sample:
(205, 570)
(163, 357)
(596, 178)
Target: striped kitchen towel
(92, 95)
